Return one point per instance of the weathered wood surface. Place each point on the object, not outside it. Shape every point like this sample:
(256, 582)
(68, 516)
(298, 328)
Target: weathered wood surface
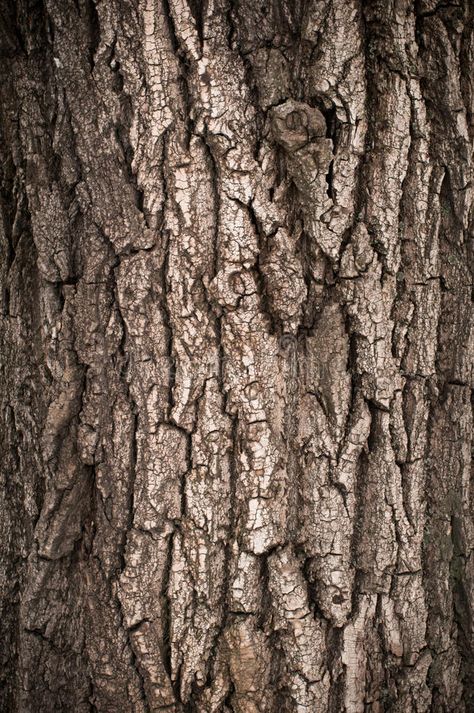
(237, 356)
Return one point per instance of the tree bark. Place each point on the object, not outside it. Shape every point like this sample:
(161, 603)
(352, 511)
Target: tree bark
(237, 356)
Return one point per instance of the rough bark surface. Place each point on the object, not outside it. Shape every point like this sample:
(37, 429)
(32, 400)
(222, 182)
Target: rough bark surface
(237, 356)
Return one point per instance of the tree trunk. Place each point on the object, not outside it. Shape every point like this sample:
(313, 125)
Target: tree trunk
(236, 358)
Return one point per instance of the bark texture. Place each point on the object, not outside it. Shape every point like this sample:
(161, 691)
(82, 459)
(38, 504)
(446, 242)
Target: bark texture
(237, 356)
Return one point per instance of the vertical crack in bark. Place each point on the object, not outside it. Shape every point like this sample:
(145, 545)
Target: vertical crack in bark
(166, 314)
(166, 611)
(261, 280)
(215, 186)
(94, 30)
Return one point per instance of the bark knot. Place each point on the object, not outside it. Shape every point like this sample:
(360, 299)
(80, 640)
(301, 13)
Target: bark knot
(295, 124)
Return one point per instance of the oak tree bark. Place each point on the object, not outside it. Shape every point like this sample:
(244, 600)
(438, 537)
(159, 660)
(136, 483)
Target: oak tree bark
(237, 356)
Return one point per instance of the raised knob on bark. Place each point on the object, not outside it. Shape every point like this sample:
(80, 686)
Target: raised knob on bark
(295, 124)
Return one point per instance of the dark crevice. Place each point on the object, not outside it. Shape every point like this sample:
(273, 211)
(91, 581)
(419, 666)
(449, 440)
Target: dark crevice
(94, 30)
(168, 326)
(185, 70)
(166, 609)
(122, 138)
(134, 663)
(330, 181)
(275, 325)
(329, 111)
(215, 186)
(198, 9)
(122, 364)
(228, 699)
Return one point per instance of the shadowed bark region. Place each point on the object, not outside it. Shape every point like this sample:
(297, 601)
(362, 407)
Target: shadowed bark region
(236, 356)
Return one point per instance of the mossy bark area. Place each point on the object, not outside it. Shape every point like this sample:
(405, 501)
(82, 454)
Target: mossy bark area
(236, 356)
